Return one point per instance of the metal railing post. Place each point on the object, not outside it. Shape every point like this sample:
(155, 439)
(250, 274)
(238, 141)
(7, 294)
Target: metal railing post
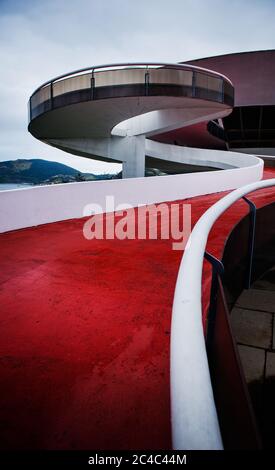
(217, 270)
(92, 85)
(194, 84)
(222, 91)
(252, 226)
(147, 78)
(51, 94)
(30, 109)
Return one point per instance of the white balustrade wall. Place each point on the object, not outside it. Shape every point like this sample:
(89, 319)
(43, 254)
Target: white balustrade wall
(44, 204)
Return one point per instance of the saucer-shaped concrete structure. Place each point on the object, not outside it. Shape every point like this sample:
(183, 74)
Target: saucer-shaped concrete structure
(107, 112)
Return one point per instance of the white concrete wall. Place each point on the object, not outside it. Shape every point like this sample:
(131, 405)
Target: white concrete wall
(195, 156)
(44, 204)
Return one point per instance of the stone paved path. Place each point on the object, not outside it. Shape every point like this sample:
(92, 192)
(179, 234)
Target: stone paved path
(252, 321)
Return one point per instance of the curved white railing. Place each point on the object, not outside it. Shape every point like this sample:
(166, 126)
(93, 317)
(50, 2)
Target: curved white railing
(194, 417)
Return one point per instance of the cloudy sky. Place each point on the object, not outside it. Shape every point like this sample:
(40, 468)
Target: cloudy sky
(40, 39)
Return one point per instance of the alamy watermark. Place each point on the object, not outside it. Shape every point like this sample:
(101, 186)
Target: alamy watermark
(145, 222)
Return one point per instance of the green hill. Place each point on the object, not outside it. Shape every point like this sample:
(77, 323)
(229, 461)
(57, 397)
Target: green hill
(37, 171)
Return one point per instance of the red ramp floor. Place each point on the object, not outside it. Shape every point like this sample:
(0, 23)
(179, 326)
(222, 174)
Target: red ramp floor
(85, 331)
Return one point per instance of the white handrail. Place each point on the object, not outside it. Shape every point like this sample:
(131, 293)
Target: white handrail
(194, 417)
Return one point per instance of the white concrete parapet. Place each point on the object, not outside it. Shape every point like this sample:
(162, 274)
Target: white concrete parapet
(44, 204)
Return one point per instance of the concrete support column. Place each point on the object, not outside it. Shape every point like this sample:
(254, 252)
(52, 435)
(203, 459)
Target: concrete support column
(129, 150)
(133, 164)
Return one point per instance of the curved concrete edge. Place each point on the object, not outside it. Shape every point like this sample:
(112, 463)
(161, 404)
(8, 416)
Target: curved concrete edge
(164, 120)
(29, 207)
(195, 156)
(194, 417)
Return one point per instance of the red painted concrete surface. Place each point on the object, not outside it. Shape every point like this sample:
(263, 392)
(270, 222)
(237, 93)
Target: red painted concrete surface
(85, 331)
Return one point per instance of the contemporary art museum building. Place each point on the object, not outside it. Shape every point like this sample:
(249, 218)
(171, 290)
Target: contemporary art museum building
(127, 343)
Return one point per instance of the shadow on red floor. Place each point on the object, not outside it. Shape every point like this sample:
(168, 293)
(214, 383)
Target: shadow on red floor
(85, 331)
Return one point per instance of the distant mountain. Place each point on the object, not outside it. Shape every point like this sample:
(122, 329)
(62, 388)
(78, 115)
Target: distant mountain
(37, 171)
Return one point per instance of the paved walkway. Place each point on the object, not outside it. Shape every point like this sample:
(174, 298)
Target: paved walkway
(85, 332)
(252, 321)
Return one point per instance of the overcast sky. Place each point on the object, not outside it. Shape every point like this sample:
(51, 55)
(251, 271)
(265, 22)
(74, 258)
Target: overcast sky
(40, 39)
